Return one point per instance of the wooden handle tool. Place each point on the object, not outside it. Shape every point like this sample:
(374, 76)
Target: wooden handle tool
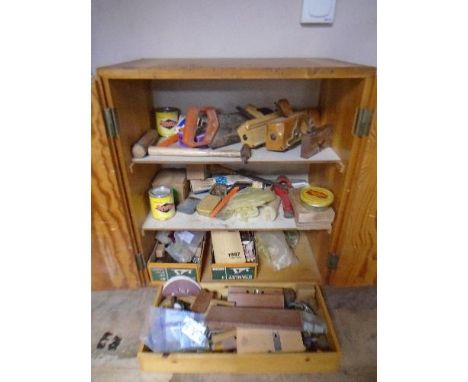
(168, 141)
(224, 201)
(140, 149)
(192, 152)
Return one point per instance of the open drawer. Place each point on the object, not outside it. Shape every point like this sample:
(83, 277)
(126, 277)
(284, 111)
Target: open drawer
(214, 362)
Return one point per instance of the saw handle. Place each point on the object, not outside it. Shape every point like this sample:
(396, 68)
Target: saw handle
(284, 107)
(190, 128)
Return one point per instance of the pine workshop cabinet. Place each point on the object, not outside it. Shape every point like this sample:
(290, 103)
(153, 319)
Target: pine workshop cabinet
(123, 99)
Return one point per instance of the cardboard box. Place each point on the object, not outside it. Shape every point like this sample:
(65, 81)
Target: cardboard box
(233, 271)
(174, 178)
(227, 247)
(160, 272)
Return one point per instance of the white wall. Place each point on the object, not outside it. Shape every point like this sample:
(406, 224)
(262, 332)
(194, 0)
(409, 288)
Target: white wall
(124, 30)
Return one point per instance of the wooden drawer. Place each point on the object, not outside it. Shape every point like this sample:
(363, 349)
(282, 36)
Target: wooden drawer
(247, 363)
(159, 273)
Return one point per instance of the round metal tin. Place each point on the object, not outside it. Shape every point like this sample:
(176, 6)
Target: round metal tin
(161, 203)
(166, 120)
(317, 197)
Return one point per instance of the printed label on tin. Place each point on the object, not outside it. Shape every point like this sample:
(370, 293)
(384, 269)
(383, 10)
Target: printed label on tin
(168, 123)
(162, 207)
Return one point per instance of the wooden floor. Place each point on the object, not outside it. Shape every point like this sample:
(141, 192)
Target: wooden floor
(354, 311)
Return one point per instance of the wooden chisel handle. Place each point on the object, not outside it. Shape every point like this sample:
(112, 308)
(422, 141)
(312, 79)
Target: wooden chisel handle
(140, 149)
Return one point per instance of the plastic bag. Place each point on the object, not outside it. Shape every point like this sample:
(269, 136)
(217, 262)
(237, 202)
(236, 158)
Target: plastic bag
(273, 246)
(246, 202)
(185, 246)
(172, 330)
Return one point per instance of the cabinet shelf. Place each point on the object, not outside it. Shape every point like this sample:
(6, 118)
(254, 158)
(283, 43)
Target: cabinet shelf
(260, 155)
(198, 222)
(306, 270)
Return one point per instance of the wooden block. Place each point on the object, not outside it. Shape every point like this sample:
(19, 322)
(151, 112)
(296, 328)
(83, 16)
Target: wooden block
(223, 317)
(175, 179)
(199, 186)
(316, 140)
(304, 214)
(197, 172)
(208, 204)
(257, 297)
(265, 340)
(202, 301)
(221, 336)
(160, 248)
(227, 247)
(226, 345)
(224, 341)
(215, 302)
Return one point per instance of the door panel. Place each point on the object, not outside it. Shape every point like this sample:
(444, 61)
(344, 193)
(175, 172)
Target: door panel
(132, 102)
(112, 254)
(357, 243)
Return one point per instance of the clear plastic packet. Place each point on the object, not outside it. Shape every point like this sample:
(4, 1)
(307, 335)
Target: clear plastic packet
(246, 203)
(171, 330)
(185, 246)
(273, 246)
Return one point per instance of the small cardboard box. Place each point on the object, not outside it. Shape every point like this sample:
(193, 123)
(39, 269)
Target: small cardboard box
(227, 247)
(160, 272)
(174, 178)
(233, 271)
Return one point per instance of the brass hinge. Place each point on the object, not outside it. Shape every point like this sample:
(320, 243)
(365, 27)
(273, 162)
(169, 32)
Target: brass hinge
(362, 123)
(332, 261)
(140, 261)
(110, 117)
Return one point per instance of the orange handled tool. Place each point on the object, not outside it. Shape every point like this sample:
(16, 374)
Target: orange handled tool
(224, 201)
(190, 128)
(169, 141)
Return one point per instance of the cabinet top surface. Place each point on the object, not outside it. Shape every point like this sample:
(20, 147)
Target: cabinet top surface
(260, 68)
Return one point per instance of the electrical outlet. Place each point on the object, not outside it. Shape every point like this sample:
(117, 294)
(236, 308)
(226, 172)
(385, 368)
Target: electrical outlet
(318, 11)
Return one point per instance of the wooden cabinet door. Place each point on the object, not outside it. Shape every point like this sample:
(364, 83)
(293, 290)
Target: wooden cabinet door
(357, 242)
(113, 262)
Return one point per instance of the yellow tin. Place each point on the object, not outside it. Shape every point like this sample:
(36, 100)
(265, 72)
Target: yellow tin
(162, 203)
(166, 120)
(317, 197)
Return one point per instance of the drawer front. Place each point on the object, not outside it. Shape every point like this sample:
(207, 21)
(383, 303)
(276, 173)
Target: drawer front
(247, 363)
(164, 274)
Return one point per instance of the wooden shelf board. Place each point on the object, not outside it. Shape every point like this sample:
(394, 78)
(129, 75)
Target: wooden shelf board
(198, 222)
(235, 68)
(259, 155)
(306, 270)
